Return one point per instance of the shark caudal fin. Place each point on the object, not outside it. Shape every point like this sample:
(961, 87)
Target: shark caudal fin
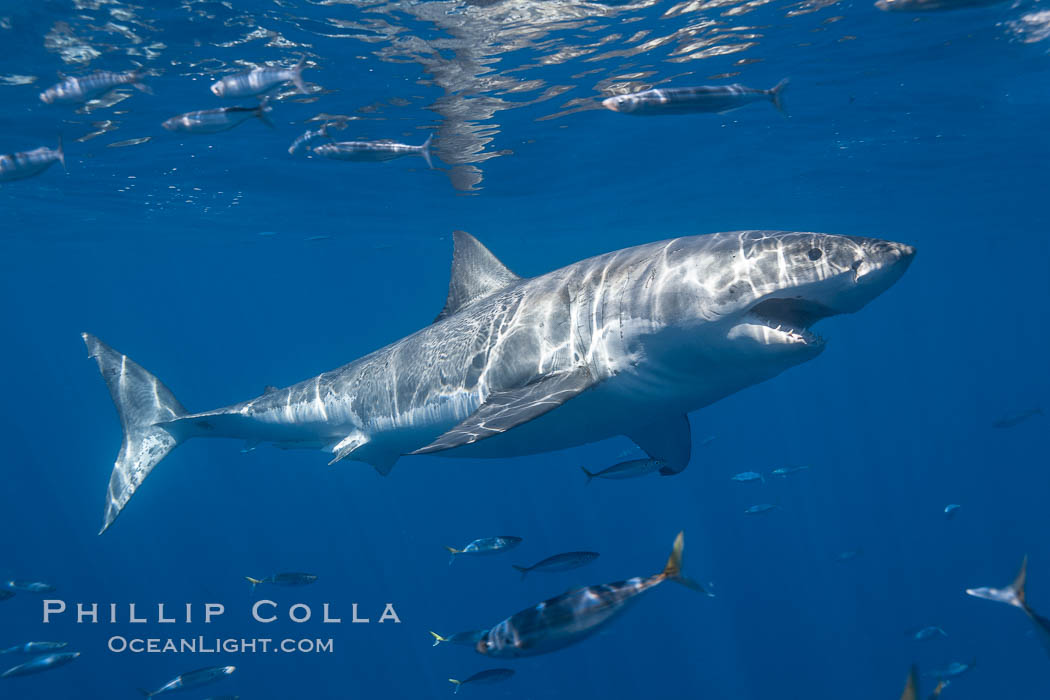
(142, 401)
(425, 152)
(673, 570)
(776, 93)
(455, 683)
(297, 74)
(437, 638)
(523, 569)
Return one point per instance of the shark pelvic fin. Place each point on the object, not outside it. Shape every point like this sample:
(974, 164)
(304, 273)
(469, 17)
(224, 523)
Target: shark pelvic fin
(504, 410)
(476, 273)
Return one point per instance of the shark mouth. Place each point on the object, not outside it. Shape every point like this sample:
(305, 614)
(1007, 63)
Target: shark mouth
(790, 319)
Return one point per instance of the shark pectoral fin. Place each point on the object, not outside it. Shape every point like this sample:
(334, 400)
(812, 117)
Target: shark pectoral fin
(669, 440)
(344, 447)
(506, 409)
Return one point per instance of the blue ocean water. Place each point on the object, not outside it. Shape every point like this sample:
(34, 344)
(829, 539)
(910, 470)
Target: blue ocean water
(223, 264)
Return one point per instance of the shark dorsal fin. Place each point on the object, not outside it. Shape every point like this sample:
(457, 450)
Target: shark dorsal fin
(269, 389)
(476, 273)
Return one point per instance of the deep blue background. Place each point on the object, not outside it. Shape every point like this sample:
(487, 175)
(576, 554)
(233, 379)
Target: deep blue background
(925, 130)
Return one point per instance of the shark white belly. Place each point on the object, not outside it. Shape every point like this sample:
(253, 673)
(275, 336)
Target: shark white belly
(626, 343)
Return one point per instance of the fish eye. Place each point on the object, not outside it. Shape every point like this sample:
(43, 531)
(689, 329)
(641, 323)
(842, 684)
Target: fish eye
(815, 253)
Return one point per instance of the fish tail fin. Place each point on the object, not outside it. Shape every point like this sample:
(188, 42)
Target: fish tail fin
(263, 111)
(145, 692)
(254, 582)
(62, 153)
(523, 569)
(142, 402)
(456, 683)
(426, 151)
(673, 570)
(1018, 586)
(776, 94)
(437, 638)
(452, 552)
(297, 74)
(590, 475)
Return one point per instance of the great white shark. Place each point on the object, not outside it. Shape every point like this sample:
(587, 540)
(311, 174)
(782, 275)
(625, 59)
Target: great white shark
(625, 343)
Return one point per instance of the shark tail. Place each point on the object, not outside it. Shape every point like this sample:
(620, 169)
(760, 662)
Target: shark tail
(142, 402)
(456, 683)
(776, 93)
(523, 569)
(673, 570)
(297, 74)
(590, 475)
(437, 638)
(425, 152)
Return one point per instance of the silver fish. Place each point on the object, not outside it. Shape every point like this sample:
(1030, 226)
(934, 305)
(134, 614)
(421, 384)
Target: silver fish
(786, 471)
(692, 100)
(492, 675)
(373, 151)
(559, 562)
(286, 579)
(18, 166)
(259, 81)
(212, 121)
(951, 509)
(34, 648)
(469, 638)
(41, 664)
(572, 617)
(927, 633)
(953, 670)
(309, 137)
(760, 508)
(485, 545)
(193, 679)
(1014, 595)
(626, 470)
(931, 5)
(91, 87)
(744, 477)
(29, 586)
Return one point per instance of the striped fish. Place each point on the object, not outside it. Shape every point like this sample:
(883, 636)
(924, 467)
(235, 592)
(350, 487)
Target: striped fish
(18, 166)
(91, 87)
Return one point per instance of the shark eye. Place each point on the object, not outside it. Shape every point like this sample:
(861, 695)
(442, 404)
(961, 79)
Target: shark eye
(815, 253)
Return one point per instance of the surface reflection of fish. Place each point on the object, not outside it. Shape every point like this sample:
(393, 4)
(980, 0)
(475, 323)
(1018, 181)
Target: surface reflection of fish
(485, 545)
(34, 648)
(193, 679)
(931, 5)
(289, 579)
(41, 664)
(212, 121)
(469, 638)
(18, 166)
(373, 151)
(576, 615)
(630, 469)
(258, 81)
(693, 100)
(1014, 595)
(492, 675)
(1017, 419)
(29, 586)
(90, 87)
(559, 562)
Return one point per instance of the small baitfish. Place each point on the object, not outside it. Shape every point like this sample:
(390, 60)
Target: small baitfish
(1015, 596)
(309, 137)
(373, 151)
(953, 670)
(928, 633)
(787, 471)
(630, 469)
(29, 586)
(559, 562)
(572, 617)
(290, 579)
(951, 509)
(212, 121)
(193, 679)
(469, 638)
(761, 508)
(1017, 419)
(41, 664)
(91, 87)
(485, 545)
(744, 477)
(259, 81)
(693, 100)
(18, 166)
(34, 648)
(493, 675)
